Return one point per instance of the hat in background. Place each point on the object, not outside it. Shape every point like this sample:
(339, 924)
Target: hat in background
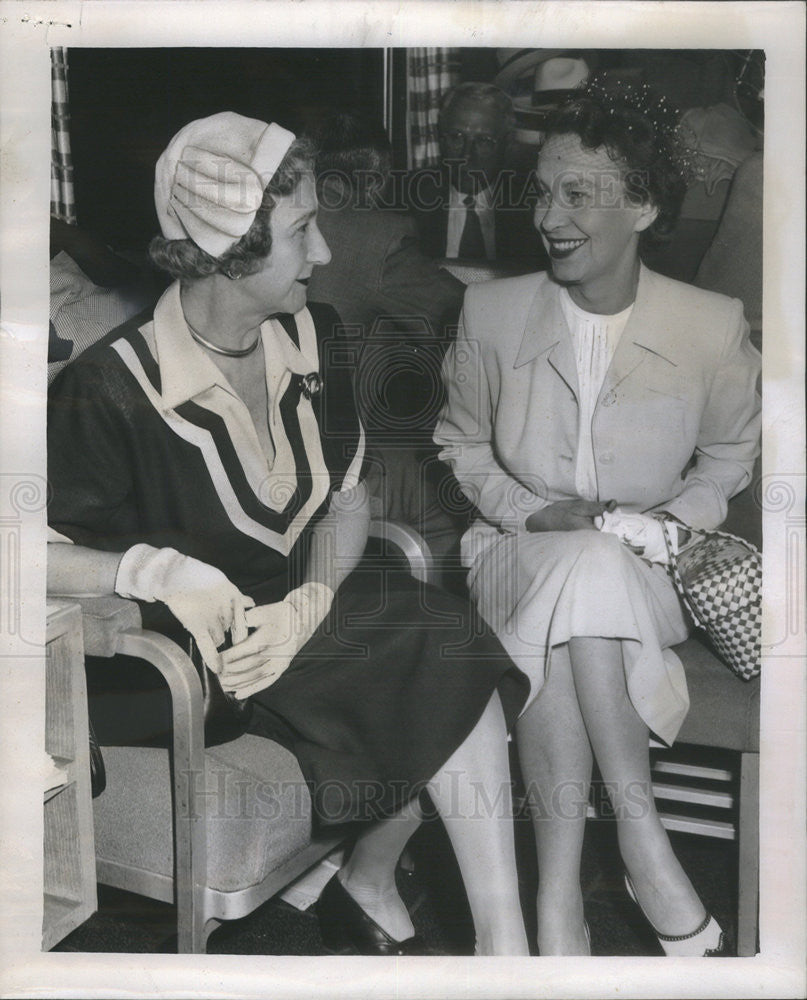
(561, 73)
(539, 80)
(209, 182)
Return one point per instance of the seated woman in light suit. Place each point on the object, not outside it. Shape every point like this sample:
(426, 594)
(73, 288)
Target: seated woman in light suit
(590, 398)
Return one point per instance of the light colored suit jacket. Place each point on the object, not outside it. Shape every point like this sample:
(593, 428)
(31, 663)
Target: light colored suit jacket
(676, 425)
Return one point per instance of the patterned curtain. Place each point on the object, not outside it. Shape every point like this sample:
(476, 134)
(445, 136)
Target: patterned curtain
(430, 73)
(62, 200)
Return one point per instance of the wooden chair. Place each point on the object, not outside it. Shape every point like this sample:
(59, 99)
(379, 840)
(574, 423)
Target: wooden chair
(723, 716)
(724, 711)
(216, 831)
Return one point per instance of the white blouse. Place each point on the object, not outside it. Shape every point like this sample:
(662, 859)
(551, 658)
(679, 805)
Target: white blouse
(595, 339)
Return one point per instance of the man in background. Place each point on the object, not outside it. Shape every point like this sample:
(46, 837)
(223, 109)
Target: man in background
(475, 206)
(399, 311)
(377, 268)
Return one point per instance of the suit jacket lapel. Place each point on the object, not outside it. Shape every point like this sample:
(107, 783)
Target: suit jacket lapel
(642, 339)
(441, 215)
(546, 333)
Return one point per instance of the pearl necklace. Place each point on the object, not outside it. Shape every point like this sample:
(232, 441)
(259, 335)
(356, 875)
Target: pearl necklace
(228, 352)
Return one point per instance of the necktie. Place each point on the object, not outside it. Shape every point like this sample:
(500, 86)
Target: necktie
(472, 244)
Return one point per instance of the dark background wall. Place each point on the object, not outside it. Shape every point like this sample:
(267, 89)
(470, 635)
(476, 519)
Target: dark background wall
(126, 104)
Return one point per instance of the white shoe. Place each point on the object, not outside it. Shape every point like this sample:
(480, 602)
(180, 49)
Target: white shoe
(706, 941)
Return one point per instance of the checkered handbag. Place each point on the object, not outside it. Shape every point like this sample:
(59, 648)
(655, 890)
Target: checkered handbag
(719, 578)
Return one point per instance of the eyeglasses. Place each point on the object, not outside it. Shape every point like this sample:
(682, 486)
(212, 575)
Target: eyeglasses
(457, 140)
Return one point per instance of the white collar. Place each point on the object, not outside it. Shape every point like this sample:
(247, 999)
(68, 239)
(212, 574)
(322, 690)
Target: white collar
(571, 308)
(482, 199)
(187, 371)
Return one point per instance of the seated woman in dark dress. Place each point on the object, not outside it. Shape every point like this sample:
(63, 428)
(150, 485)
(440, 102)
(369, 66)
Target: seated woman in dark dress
(208, 463)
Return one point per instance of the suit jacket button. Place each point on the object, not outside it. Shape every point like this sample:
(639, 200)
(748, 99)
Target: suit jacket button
(607, 457)
(609, 398)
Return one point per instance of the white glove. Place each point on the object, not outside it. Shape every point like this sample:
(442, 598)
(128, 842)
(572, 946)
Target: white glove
(197, 594)
(640, 532)
(281, 631)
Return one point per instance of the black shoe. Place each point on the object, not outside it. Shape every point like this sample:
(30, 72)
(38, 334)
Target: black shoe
(347, 929)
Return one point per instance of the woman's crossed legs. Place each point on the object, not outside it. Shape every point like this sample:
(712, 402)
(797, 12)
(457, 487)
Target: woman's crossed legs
(582, 707)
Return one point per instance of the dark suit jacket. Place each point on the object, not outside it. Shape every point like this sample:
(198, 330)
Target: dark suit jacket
(401, 311)
(378, 270)
(401, 308)
(427, 194)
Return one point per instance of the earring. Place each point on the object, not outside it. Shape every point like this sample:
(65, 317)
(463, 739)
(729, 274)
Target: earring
(234, 271)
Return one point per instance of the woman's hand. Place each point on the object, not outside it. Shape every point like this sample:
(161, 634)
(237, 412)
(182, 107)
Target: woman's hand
(199, 596)
(259, 659)
(567, 515)
(642, 534)
(280, 632)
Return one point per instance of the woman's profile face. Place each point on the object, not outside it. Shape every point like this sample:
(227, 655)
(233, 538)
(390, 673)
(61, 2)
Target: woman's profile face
(588, 225)
(297, 248)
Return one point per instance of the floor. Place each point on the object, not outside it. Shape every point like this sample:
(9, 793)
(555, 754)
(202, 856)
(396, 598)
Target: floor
(436, 900)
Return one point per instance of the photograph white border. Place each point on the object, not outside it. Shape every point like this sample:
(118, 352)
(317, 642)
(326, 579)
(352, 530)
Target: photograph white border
(27, 30)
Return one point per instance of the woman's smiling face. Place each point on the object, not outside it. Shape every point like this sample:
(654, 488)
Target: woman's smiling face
(587, 223)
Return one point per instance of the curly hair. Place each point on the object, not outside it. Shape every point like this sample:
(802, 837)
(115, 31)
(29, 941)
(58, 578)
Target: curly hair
(185, 260)
(638, 131)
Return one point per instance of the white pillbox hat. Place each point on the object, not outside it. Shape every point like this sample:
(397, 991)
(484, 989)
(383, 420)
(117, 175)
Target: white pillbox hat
(209, 182)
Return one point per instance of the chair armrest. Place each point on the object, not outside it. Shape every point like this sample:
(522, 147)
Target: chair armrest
(411, 543)
(187, 701)
(103, 619)
(113, 625)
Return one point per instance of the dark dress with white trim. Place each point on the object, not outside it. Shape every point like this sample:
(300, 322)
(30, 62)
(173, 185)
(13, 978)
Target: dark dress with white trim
(396, 676)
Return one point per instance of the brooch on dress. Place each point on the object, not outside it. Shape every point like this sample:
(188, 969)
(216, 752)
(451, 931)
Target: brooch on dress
(310, 385)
